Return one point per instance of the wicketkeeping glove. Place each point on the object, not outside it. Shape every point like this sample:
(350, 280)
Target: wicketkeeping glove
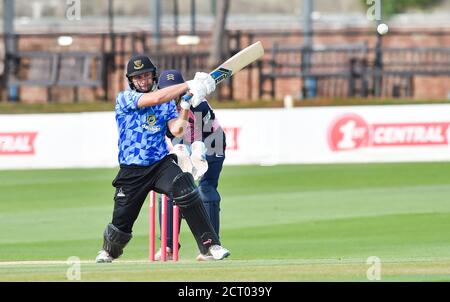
(198, 159)
(185, 104)
(184, 160)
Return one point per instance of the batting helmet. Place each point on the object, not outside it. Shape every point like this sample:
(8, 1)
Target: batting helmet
(140, 64)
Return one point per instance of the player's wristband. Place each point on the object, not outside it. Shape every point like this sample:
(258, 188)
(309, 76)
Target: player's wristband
(185, 105)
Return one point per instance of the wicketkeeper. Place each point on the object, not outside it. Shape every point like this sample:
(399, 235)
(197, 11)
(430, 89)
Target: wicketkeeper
(201, 152)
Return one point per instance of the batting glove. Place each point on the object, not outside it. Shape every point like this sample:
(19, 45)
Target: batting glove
(207, 80)
(198, 90)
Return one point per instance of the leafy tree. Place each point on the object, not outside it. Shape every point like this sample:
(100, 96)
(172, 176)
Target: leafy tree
(392, 7)
(217, 48)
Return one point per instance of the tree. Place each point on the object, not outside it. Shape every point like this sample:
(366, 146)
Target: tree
(392, 7)
(219, 39)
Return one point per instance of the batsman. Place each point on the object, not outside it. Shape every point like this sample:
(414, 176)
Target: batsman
(143, 116)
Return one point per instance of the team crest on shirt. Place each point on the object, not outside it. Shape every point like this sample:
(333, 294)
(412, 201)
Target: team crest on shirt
(151, 120)
(150, 125)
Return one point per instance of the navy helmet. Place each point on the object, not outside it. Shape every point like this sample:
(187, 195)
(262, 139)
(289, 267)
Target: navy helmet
(170, 77)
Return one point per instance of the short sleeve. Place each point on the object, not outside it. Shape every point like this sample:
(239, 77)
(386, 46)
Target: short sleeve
(172, 112)
(128, 100)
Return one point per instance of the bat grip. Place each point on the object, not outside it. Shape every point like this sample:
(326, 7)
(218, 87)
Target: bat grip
(187, 97)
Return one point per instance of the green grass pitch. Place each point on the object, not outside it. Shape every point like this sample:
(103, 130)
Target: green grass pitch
(281, 223)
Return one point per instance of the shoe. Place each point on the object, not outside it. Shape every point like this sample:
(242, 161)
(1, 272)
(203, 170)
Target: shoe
(219, 252)
(216, 252)
(103, 257)
(202, 257)
(169, 254)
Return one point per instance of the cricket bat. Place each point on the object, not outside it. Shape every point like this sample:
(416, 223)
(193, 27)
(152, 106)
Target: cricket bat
(236, 63)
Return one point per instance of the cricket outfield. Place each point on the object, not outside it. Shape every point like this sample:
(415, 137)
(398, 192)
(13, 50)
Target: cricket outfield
(281, 223)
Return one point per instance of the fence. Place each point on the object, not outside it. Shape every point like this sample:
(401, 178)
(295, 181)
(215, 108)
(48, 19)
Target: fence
(352, 70)
(341, 63)
(80, 69)
(95, 60)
